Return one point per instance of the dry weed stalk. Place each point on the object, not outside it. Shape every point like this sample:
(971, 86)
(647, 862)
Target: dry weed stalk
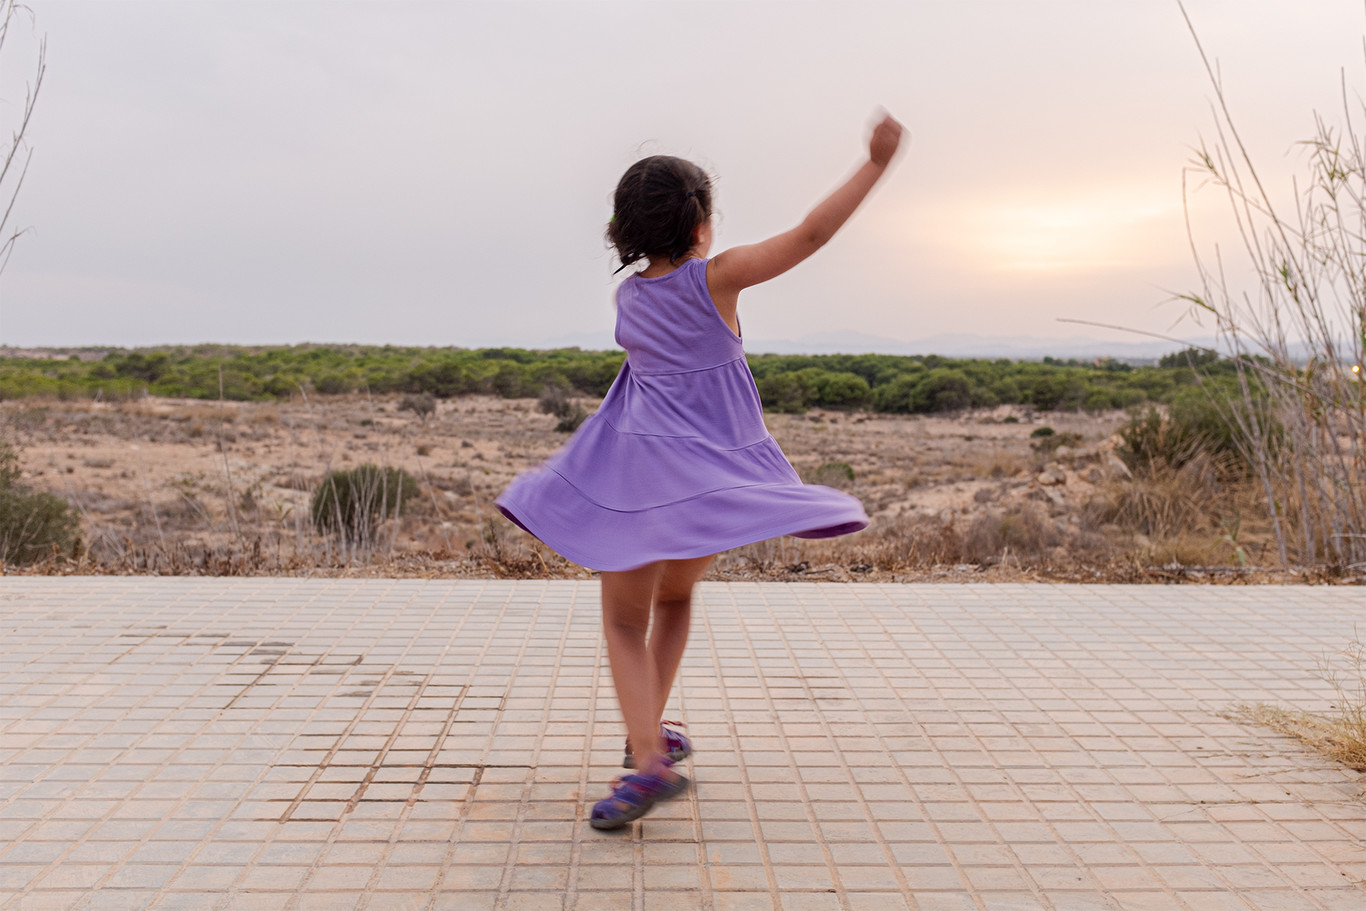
(17, 147)
(1297, 336)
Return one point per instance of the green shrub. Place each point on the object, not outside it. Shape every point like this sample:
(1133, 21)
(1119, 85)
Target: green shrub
(1211, 421)
(943, 389)
(1148, 438)
(789, 393)
(333, 384)
(352, 503)
(33, 524)
(1195, 423)
(844, 390)
(894, 396)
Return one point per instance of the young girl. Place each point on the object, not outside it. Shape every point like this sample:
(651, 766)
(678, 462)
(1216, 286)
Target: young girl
(677, 465)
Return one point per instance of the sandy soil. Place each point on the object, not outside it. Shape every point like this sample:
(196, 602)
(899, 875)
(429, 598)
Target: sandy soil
(184, 486)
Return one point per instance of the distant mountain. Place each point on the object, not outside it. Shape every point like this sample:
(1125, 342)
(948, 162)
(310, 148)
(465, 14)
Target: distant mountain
(588, 341)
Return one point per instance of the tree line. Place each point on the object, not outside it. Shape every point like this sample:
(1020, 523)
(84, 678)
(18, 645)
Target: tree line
(895, 384)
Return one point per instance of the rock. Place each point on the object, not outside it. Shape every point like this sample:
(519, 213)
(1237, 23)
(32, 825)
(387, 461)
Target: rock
(829, 571)
(1118, 467)
(1095, 475)
(1063, 452)
(1051, 475)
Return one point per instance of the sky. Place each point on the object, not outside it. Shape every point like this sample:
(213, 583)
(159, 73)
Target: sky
(440, 173)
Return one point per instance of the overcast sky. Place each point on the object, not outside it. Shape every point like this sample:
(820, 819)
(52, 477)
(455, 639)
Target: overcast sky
(440, 173)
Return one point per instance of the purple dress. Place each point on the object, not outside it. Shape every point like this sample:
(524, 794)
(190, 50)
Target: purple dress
(677, 462)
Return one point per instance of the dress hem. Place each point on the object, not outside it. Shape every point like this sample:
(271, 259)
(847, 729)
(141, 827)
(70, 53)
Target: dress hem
(840, 518)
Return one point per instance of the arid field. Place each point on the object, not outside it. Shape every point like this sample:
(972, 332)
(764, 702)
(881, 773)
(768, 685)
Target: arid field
(178, 486)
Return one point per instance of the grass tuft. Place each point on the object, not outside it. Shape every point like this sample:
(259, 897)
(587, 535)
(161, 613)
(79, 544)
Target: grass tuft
(1340, 733)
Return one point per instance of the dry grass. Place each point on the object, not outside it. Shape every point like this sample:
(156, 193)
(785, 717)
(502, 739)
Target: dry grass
(1331, 736)
(1340, 733)
(1164, 501)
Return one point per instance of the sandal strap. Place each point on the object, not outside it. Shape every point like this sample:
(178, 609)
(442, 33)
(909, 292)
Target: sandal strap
(644, 790)
(674, 740)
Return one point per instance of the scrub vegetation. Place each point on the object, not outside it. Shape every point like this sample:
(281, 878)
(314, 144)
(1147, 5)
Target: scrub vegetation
(794, 384)
(403, 483)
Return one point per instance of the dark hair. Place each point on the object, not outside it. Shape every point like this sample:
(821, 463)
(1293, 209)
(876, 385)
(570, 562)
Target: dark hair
(659, 201)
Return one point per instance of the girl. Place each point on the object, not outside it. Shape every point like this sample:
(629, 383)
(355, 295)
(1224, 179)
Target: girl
(677, 465)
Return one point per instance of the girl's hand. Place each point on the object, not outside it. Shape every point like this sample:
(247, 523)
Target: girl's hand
(885, 140)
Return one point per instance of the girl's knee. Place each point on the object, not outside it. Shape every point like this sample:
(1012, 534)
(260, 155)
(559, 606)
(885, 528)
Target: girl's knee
(677, 581)
(673, 604)
(674, 594)
(626, 626)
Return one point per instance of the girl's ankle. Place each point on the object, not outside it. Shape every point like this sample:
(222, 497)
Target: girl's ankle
(660, 767)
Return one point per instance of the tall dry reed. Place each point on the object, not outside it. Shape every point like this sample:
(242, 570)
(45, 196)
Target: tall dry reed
(1290, 312)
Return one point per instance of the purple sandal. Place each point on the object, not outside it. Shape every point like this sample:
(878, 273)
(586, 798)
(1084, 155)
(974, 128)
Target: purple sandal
(676, 744)
(633, 796)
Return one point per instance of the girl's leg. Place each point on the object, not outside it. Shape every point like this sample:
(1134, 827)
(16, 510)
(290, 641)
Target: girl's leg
(672, 618)
(626, 604)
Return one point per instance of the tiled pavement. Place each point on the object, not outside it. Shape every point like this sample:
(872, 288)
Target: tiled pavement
(299, 744)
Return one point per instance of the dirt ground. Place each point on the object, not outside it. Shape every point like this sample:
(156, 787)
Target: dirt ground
(173, 486)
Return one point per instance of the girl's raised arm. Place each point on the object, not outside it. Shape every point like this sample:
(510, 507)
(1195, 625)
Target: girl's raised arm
(738, 268)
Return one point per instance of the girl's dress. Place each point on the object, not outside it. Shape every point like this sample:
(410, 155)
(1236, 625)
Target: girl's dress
(676, 463)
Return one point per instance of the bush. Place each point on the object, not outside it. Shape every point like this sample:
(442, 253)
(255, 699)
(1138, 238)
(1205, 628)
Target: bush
(33, 523)
(333, 384)
(943, 389)
(789, 393)
(352, 503)
(570, 422)
(422, 404)
(842, 390)
(555, 401)
(1194, 424)
(1148, 440)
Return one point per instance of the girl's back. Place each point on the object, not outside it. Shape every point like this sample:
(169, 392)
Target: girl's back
(669, 324)
(685, 373)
